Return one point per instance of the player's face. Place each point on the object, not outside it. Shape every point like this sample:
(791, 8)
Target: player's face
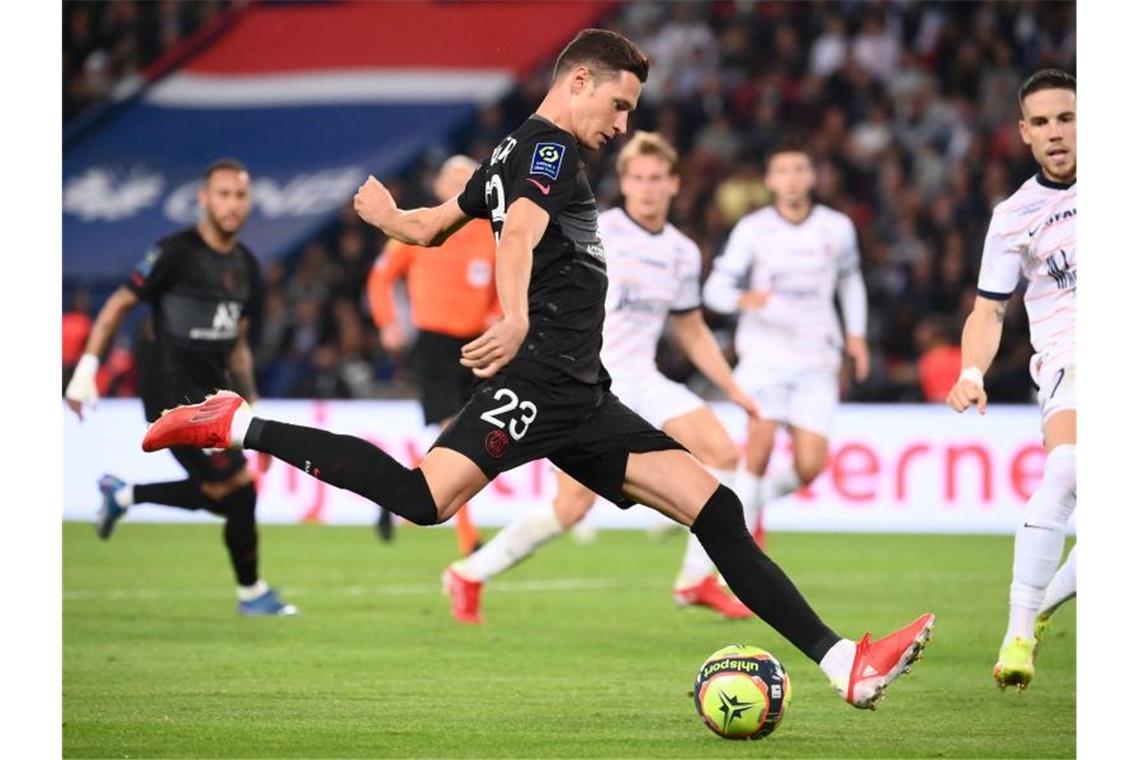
(648, 187)
(790, 177)
(1049, 127)
(600, 106)
(226, 200)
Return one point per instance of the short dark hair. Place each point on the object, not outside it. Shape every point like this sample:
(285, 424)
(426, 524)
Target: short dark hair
(604, 53)
(221, 164)
(1046, 79)
(793, 144)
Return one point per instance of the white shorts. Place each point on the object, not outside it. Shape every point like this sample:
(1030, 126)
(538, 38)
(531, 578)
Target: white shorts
(655, 397)
(804, 399)
(1056, 384)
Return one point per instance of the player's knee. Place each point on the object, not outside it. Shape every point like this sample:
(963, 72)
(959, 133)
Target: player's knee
(1061, 469)
(722, 455)
(409, 496)
(809, 469)
(1052, 504)
(721, 518)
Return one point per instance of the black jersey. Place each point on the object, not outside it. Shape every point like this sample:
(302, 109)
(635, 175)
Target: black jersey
(567, 292)
(197, 296)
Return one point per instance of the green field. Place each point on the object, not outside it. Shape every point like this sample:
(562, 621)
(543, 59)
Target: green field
(584, 654)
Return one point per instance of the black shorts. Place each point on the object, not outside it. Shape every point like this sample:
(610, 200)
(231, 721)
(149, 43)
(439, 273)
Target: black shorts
(528, 411)
(444, 384)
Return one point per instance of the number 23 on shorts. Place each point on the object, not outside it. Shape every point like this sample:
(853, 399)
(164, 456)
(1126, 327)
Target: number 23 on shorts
(516, 425)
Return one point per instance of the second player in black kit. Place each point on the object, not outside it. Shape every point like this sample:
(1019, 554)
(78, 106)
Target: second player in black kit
(203, 287)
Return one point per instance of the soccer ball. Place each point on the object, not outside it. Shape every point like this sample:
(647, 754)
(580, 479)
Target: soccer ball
(741, 692)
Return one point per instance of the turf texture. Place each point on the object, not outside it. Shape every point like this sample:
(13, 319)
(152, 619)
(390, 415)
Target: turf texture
(583, 654)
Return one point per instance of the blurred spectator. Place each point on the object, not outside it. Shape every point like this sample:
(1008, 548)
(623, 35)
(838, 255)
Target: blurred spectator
(941, 358)
(76, 328)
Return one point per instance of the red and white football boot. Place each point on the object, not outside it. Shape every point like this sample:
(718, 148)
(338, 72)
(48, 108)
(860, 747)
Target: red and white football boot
(709, 593)
(205, 425)
(464, 597)
(878, 663)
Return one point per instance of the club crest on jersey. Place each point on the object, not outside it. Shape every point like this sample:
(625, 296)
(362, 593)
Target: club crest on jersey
(145, 266)
(547, 159)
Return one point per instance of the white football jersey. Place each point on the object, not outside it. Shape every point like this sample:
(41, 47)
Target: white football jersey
(651, 275)
(800, 266)
(1033, 233)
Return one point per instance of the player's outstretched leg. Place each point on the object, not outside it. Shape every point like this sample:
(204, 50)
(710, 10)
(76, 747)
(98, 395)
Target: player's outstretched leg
(1037, 550)
(463, 580)
(673, 483)
(224, 420)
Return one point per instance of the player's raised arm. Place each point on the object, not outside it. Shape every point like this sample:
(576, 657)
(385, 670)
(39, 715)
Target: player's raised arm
(81, 390)
(422, 226)
(523, 227)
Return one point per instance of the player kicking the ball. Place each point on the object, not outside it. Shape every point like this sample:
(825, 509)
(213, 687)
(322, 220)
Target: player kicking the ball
(796, 255)
(654, 274)
(1033, 233)
(545, 392)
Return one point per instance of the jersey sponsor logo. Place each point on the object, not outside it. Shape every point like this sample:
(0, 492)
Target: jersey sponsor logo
(99, 195)
(547, 159)
(629, 300)
(225, 324)
(1060, 270)
(544, 188)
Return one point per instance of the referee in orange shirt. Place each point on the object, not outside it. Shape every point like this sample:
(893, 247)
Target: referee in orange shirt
(452, 293)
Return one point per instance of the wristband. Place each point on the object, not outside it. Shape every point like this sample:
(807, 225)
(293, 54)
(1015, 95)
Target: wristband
(974, 375)
(88, 364)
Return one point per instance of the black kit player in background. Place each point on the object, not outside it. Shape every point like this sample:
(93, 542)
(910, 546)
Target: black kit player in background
(545, 392)
(203, 286)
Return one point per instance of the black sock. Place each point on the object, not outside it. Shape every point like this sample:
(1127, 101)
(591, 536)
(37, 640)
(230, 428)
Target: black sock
(347, 462)
(756, 579)
(185, 494)
(240, 532)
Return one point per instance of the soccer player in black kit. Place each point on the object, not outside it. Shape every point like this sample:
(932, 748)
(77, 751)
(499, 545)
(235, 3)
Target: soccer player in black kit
(202, 285)
(544, 391)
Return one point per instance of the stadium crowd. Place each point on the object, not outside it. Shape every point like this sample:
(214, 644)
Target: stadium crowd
(909, 109)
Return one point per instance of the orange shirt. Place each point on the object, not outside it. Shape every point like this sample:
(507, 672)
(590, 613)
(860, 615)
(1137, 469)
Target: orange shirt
(451, 288)
(938, 371)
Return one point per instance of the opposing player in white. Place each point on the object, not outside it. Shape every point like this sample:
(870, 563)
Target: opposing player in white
(654, 273)
(1033, 233)
(781, 269)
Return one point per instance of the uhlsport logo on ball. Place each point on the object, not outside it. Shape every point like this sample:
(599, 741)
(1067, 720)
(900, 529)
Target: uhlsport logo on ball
(741, 692)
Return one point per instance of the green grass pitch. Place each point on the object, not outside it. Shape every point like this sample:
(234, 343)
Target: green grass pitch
(583, 654)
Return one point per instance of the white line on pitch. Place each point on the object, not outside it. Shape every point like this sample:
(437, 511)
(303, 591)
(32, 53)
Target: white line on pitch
(561, 584)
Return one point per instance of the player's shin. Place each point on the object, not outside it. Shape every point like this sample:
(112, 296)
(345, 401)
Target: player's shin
(1040, 540)
(240, 533)
(756, 579)
(511, 545)
(696, 564)
(347, 462)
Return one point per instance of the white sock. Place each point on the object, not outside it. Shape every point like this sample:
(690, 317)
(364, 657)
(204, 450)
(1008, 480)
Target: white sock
(1040, 540)
(249, 593)
(779, 484)
(512, 544)
(239, 426)
(749, 488)
(1063, 587)
(836, 664)
(696, 564)
(125, 496)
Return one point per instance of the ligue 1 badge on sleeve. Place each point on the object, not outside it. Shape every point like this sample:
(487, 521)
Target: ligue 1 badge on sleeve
(547, 159)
